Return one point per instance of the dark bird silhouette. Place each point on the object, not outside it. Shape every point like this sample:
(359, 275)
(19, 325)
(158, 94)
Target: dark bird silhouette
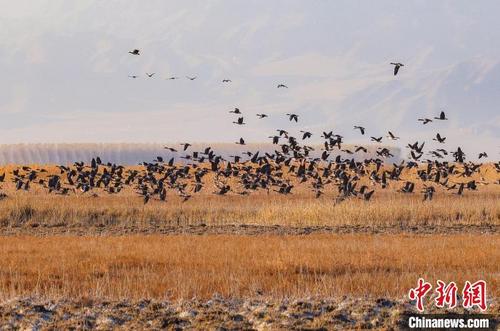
(235, 111)
(442, 117)
(191, 78)
(439, 138)
(306, 134)
(226, 81)
(282, 86)
(397, 65)
(239, 121)
(261, 116)
(135, 52)
(482, 154)
(150, 75)
(293, 117)
(392, 136)
(360, 128)
(133, 76)
(185, 146)
(379, 139)
(425, 120)
(241, 142)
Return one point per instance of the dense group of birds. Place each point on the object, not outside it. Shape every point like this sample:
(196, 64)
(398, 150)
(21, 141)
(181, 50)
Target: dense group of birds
(292, 163)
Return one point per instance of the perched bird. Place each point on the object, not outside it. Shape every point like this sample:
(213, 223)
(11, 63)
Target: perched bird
(397, 65)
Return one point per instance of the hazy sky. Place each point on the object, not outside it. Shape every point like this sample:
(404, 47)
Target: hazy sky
(65, 68)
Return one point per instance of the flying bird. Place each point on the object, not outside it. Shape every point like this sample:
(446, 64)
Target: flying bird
(397, 65)
(261, 116)
(392, 136)
(226, 81)
(135, 52)
(235, 111)
(191, 78)
(282, 86)
(360, 128)
(439, 138)
(425, 120)
(482, 154)
(293, 117)
(240, 121)
(150, 75)
(442, 117)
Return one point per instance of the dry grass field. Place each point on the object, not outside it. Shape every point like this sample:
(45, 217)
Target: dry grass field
(38, 212)
(183, 267)
(363, 256)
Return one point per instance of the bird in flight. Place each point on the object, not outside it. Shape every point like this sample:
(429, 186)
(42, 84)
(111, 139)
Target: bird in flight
(392, 136)
(226, 81)
(282, 86)
(482, 154)
(235, 111)
(135, 52)
(439, 138)
(442, 117)
(425, 120)
(261, 116)
(133, 76)
(150, 74)
(191, 78)
(185, 145)
(172, 78)
(241, 142)
(379, 139)
(360, 128)
(397, 65)
(240, 121)
(293, 117)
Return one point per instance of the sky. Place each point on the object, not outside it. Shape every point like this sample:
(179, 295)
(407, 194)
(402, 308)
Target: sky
(65, 70)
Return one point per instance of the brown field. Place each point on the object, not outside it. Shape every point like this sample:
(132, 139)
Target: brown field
(37, 212)
(265, 245)
(172, 267)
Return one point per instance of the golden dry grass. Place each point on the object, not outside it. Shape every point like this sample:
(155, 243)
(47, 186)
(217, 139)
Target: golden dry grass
(241, 266)
(387, 209)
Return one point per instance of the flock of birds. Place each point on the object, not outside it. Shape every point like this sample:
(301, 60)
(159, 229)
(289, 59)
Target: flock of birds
(292, 163)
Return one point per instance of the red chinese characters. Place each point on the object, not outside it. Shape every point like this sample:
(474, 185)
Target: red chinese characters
(419, 293)
(446, 294)
(475, 295)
